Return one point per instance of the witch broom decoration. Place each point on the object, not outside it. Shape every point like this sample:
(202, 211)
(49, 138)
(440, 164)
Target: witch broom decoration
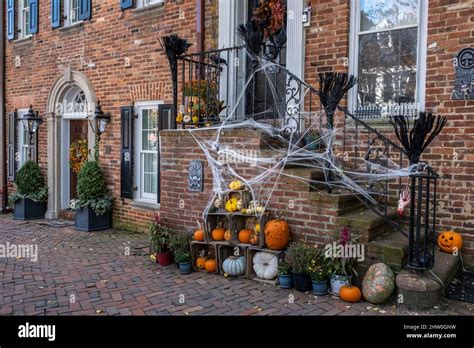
(174, 46)
(332, 88)
(416, 140)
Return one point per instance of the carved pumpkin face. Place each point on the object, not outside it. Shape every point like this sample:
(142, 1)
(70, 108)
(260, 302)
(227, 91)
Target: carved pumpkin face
(449, 241)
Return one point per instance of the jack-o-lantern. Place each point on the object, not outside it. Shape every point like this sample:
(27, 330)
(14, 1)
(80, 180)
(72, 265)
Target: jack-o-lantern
(450, 241)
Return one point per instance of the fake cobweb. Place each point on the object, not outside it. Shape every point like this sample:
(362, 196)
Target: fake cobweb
(286, 142)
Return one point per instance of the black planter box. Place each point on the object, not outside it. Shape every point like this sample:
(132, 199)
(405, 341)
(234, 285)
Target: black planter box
(87, 220)
(26, 209)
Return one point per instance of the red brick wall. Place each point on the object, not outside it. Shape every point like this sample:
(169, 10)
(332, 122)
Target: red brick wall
(450, 29)
(180, 208)
(105, 41)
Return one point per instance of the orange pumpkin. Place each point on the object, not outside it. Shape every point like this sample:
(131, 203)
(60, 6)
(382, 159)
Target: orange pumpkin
(450, 241)
(245, 235)
(228, 235)
(350, 293)
(200, 262)
(210, 265)
(199, 233)
(218, 233)
(277, 234)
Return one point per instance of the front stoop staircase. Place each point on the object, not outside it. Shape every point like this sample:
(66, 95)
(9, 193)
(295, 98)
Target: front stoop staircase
(418, 289)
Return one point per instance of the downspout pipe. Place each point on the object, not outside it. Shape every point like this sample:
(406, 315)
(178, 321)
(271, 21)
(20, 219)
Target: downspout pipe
(3, 147)
(200, 17)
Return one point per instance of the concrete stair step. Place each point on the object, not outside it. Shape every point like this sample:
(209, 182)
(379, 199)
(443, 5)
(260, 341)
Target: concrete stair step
(423, 289)
(390, 248)
(366, 223)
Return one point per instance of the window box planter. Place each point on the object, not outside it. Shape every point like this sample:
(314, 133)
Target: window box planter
(26, 209)
(87, 220)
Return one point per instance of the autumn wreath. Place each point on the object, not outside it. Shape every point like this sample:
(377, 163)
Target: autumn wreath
(78, 153)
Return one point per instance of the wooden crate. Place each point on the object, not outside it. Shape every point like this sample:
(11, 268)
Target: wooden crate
(212, 221)
(251, 251)
(208, 248)
(225, 250)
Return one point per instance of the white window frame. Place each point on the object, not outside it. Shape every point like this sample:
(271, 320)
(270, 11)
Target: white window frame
(68, 4)
(139, 195)
(147, 3)
(22, 157)
(421, 51)
(23, 13)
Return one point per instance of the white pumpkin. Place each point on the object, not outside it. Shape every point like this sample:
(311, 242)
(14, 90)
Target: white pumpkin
(234, 266)
(265, 265)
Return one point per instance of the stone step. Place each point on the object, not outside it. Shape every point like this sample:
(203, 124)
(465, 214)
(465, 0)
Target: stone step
(390, 248)
(367, 224)
(423, 289)
(67, 215)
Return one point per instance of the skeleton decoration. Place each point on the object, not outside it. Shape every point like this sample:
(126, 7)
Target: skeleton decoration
(404, 201)
(464, 82)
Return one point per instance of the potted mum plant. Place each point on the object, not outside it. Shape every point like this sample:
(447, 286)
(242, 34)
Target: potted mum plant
(160, 241)
(31, 193)
(341, 268)
(93, 206)
(319, 279)
(284, 275)
(183, 257)
(299, 256)
(179, 244)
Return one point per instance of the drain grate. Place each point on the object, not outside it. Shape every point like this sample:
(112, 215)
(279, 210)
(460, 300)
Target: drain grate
(462, 287)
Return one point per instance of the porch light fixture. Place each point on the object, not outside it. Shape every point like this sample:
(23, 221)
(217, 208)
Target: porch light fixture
(99, 121)
(31, 121)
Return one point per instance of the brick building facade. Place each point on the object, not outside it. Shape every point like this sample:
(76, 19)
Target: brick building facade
(116, 55)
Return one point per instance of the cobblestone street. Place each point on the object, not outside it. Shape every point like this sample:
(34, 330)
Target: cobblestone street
(90, 274)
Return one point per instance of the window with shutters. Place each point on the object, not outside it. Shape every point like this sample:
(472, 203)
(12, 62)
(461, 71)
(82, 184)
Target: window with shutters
(143, 3)
(23, 19)
(71, 11)
(146, 151)
(23, 139)
(388, 55)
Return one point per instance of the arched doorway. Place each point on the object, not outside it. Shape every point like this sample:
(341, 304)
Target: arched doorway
(70, 102)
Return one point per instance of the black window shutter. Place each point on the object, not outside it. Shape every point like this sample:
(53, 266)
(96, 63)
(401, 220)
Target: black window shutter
(126, 162)
(124, 4)
(166, 121)
(12, 135)
(84, 10)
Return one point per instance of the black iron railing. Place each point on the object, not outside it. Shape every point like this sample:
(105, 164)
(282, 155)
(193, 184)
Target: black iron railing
(375, 149)
(227, 84)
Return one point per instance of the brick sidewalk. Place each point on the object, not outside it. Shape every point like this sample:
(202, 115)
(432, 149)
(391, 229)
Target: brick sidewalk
(93, 270)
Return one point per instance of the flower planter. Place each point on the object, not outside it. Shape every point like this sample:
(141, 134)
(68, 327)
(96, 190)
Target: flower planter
(302, 282)
(285, 281)
(337, 282)
(165, 259)
(26, 209)
(87, 220)
(320, 287)
(185, 267)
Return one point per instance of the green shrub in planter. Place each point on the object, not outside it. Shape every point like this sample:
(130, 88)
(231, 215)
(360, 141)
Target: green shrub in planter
(31, 193)
(30, 184)
(92, 206)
